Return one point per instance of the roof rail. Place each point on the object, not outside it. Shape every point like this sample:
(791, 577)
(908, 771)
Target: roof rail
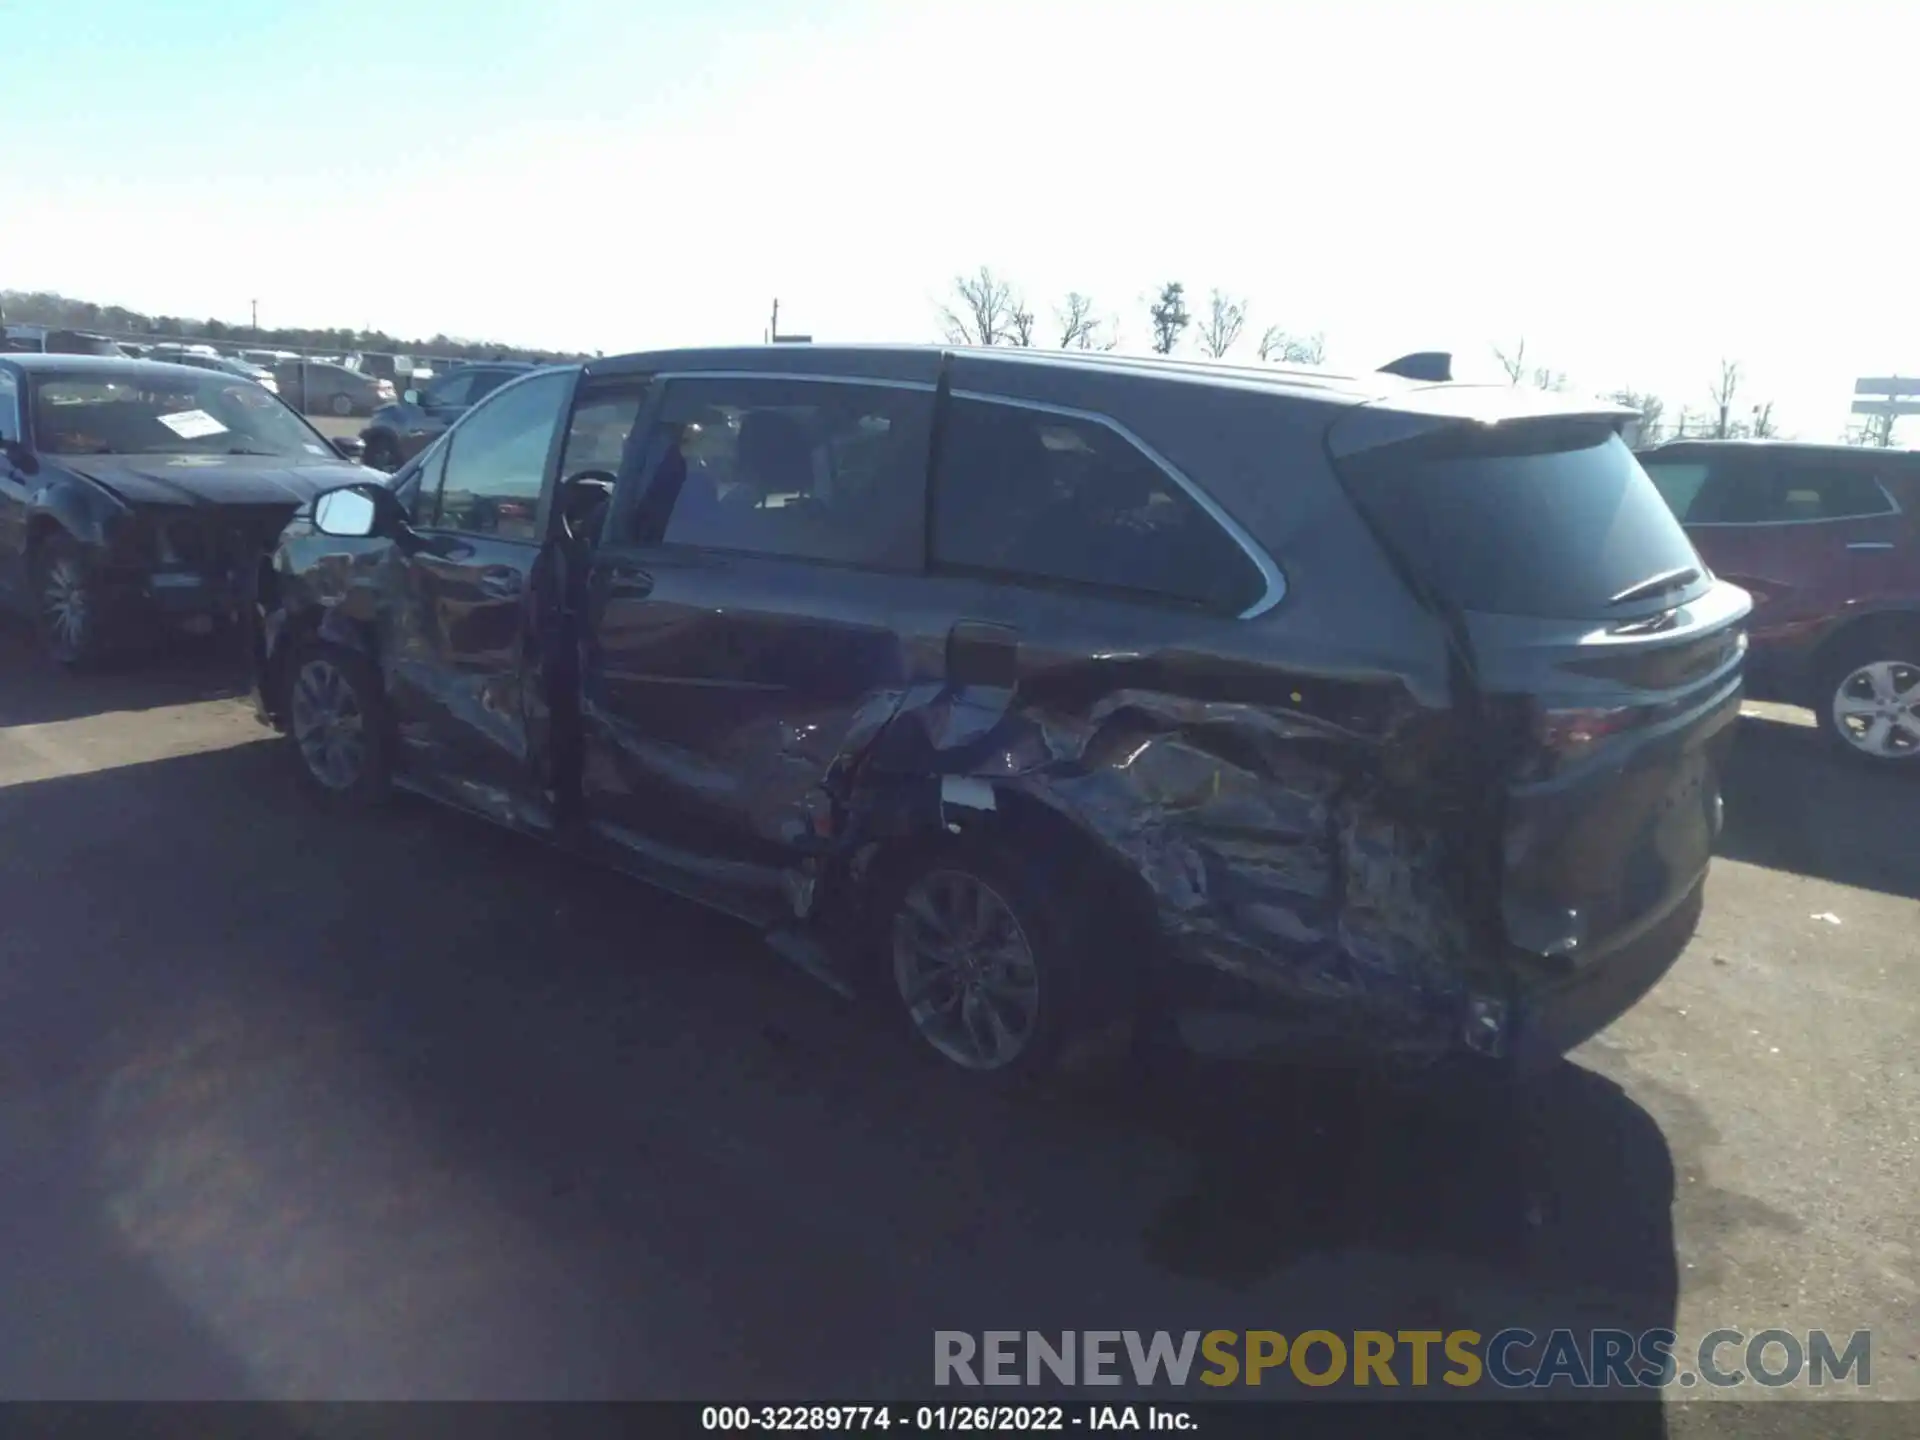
(1436, 365)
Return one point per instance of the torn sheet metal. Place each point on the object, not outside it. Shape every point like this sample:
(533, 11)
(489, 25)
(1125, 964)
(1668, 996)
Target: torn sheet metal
(1275, 854)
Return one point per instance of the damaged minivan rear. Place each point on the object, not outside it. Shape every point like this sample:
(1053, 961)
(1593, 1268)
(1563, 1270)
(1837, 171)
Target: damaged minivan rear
(1317, 717)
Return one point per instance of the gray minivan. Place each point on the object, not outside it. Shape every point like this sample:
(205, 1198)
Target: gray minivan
(1330, 716)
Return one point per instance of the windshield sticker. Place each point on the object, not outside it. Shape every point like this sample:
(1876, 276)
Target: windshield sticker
(192, 424)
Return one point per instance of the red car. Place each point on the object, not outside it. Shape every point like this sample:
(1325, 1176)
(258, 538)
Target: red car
(1826, 538)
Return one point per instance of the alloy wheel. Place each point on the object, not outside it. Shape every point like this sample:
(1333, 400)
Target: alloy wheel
(329, 725)
(1876, 709)
(66, 607)
(966, 970)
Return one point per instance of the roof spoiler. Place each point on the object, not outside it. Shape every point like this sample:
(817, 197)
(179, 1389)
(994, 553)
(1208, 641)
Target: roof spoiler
(1433, 365)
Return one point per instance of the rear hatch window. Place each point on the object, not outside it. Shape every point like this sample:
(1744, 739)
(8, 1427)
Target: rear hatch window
(1554, 520)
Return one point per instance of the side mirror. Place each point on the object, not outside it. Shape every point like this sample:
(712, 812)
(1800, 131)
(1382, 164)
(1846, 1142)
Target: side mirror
(350, 447)
(352, 512)
(412, 397)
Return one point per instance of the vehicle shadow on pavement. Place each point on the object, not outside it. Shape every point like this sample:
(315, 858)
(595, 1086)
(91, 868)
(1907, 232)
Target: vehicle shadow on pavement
(400, 1105)
(182, 671)
(1793, 806)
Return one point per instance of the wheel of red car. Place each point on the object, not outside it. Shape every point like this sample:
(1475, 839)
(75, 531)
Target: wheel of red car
(337, 725)
(70, 610)
(1869, 701)
(979, 958)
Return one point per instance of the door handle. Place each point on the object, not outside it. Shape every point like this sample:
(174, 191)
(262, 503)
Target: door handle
(501, 581)
(628, 582)
(1870, 545)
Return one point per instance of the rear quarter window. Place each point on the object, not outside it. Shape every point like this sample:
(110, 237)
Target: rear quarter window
(1544, 521)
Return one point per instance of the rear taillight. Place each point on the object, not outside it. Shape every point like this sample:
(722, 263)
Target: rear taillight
(1563, 737)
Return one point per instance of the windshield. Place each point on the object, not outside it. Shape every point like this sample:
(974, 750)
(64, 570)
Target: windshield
(168, 414)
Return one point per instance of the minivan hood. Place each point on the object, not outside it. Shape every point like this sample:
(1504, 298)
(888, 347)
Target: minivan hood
(215, 479)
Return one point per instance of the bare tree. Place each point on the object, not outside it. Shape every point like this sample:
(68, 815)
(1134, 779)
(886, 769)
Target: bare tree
(1170, 317)
(1519, 372)
(1278, 346)
(1081, 329)
(1724, 389)
(1022, 327)
(983, 310)
(1077, 325)
(1650, 407)
(1226, 318)
(1874, 430)
(1515, 364)
(1762, 426)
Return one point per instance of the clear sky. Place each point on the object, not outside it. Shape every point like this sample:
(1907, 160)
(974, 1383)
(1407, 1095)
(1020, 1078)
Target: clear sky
(1638, 191)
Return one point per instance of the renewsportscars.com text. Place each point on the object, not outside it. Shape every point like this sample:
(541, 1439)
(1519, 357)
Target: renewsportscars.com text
(1463, 1359)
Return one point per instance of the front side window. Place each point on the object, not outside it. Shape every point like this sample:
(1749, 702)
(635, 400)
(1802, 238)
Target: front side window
(170, 413)
(485, 382)
(453, 390)
(1067, 500)
(496, 460)
(805, 469)
(602, 420)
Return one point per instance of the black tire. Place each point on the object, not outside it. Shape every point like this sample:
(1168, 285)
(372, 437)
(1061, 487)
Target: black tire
(73, 620)
(342, 773)
(382, 452)
(341, 405)
(1045, 921)
(1846, 677)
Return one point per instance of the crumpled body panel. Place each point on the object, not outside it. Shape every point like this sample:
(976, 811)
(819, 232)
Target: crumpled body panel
(1275, 856)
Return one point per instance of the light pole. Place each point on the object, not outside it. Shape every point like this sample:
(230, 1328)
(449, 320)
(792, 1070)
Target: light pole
(256, 316)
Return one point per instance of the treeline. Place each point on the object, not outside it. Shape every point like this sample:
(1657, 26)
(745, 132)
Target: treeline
(40, 307)
(986, 308)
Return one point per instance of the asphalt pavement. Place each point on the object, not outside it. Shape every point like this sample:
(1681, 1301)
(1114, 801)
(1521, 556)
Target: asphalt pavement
(301, 1105)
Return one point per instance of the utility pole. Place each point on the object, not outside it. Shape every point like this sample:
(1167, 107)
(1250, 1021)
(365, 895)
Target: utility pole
(774, 336)
(256, 315)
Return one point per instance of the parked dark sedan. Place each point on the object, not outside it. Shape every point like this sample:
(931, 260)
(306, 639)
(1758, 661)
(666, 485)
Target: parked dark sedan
(317, 387)
(399, 431)
(1826, 538)
(133, 491)
(1335, 717)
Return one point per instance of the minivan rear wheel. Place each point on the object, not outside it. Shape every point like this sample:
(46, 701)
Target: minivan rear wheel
(979, 960)
(1869, 703)
(337, 726)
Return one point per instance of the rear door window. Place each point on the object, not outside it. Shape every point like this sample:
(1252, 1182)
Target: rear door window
(1549, 521)
(1038, 496)
(824, 470)
(1791, 491)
